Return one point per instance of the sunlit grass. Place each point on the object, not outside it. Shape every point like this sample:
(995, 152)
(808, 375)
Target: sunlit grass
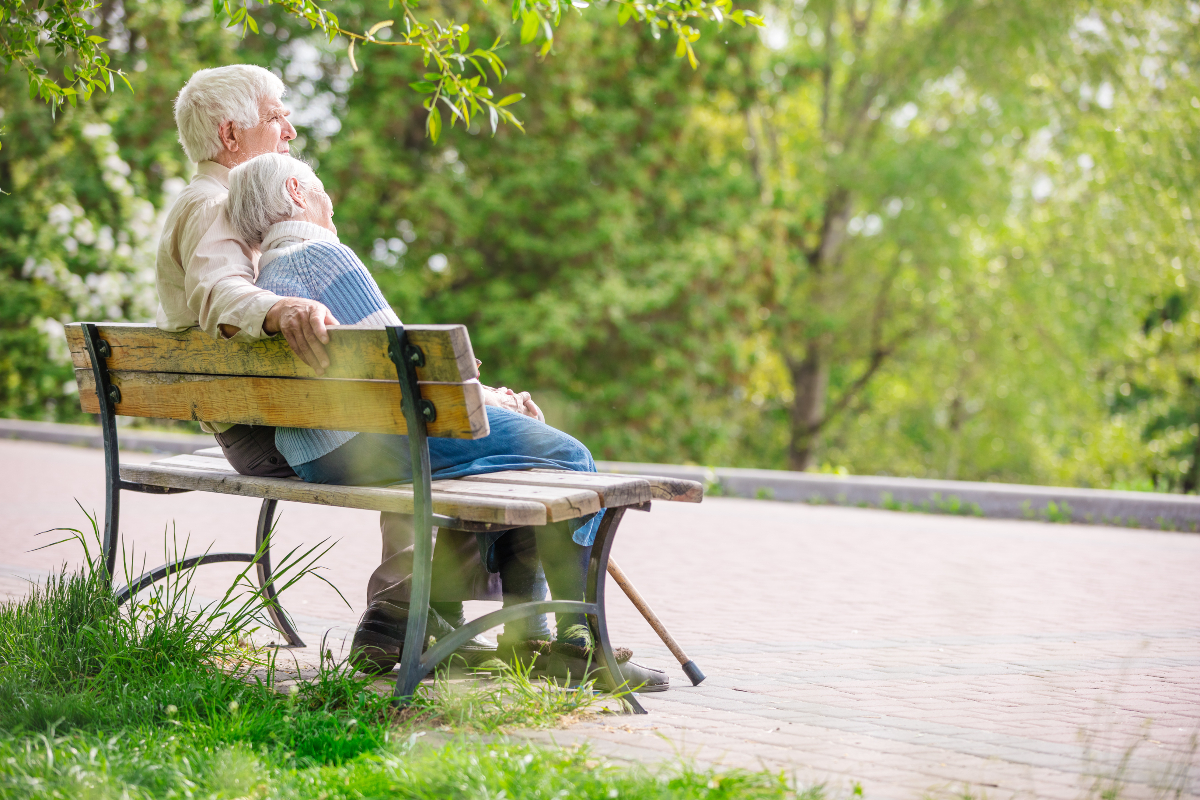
(162, 698)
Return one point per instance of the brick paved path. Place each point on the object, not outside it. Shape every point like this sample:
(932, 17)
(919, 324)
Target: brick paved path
(915, 654)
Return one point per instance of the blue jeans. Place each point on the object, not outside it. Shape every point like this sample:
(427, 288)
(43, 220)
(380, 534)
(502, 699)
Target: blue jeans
(515, 442)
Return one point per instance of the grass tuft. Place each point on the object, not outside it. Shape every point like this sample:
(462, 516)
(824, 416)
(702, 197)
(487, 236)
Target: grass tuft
(512, 698)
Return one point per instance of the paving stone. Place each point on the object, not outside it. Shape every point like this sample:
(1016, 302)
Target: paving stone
(914, 654)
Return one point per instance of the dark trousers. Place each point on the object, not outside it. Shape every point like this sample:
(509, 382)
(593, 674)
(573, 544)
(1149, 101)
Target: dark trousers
(250, 449)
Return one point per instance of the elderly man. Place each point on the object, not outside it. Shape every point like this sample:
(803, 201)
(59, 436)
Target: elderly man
(206, 277)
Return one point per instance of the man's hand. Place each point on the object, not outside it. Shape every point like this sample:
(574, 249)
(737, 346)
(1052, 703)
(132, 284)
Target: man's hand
(302, 323)
(520, 402)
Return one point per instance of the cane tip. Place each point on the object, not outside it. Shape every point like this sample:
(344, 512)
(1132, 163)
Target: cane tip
(693, 672)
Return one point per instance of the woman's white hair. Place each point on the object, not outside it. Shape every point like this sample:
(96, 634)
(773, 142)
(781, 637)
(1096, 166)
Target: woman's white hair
(212, 97)
(258, 195)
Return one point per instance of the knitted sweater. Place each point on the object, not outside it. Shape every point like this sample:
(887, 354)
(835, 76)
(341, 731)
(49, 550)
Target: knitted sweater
(300, 259)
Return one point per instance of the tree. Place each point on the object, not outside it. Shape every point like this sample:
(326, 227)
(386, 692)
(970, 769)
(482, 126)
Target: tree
(585, 255)
(873, 134)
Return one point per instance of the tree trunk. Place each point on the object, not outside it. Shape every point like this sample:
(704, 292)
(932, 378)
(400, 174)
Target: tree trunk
(810, 381)
(1191, 480)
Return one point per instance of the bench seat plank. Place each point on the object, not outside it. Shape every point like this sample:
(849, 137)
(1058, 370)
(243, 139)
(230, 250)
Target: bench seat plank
(353, 352)
(676, 490)
(496, 510)
(613, 491)
(372, 406)
(561, 503)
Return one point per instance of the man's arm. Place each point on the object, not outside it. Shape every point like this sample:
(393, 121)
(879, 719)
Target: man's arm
(219, 283)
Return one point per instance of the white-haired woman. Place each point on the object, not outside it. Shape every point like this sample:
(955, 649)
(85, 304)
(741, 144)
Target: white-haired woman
(277, 202)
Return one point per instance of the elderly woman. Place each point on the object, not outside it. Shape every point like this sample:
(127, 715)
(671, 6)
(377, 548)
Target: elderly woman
(277, 202)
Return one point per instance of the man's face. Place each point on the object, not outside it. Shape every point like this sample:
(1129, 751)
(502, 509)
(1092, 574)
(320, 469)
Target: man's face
(270, 135)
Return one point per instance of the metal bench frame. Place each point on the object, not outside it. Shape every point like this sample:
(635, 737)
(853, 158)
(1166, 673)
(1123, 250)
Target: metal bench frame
(418, 412)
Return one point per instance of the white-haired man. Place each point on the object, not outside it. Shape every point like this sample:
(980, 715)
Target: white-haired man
(205, 272)
(206, 277)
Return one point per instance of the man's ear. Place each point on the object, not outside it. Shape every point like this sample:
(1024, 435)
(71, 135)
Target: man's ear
(228, 140)
(295, 192)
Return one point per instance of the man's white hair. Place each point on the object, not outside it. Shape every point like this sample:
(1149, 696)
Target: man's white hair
(212, 97)
(258, 195)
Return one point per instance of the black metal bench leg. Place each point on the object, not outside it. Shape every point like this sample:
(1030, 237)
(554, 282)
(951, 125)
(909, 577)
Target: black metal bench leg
(417, 412)
(597, 572)
(155, 575)
(107, 396)
(262, 546)
(411, 668)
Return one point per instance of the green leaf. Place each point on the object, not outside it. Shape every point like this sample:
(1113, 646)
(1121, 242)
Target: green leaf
(464, 41)
(97, 39)
(250, 21)
(512, 98)
(680, 48)
(433, 124)
(529, 27)
(424, 87)
(625, 13)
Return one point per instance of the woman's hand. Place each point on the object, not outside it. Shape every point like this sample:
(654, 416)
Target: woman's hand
(520, 402)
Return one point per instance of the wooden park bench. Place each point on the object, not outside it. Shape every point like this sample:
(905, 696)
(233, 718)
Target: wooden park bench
(418, 380)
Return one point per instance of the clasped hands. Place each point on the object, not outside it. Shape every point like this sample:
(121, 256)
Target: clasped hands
(303, 323)
(520, 402)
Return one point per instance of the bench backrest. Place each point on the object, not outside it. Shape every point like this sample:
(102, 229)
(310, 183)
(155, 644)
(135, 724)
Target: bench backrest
(190, 375)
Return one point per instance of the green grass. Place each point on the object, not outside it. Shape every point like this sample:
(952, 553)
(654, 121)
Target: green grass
(164, 698)
(149, 765)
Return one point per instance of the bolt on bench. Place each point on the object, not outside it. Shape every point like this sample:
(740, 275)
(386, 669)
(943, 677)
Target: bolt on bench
(418, 381)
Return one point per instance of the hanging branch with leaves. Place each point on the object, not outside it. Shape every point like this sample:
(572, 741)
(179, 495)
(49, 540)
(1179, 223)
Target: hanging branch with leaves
(27, 28)
(456, 80)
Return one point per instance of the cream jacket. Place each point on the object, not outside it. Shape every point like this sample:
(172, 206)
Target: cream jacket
(205, 272)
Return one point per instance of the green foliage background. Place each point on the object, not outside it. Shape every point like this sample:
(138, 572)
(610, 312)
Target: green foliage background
(1012, 295)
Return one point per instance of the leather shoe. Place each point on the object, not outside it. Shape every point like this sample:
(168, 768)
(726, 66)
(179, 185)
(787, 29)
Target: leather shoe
(574, 664)
(380, 638)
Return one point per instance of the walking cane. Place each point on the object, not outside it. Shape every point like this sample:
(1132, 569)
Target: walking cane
(689, 667)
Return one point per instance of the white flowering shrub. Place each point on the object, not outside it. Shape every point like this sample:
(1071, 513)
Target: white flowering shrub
(81, 249)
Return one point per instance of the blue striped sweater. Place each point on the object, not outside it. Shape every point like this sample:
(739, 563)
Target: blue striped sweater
(305, 260)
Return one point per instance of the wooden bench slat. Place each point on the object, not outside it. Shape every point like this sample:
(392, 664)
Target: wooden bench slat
(372, 406)
(561, 503)
(199, 462)
(677, 490)
(613, 491)
(356, 353)
(501, 511)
